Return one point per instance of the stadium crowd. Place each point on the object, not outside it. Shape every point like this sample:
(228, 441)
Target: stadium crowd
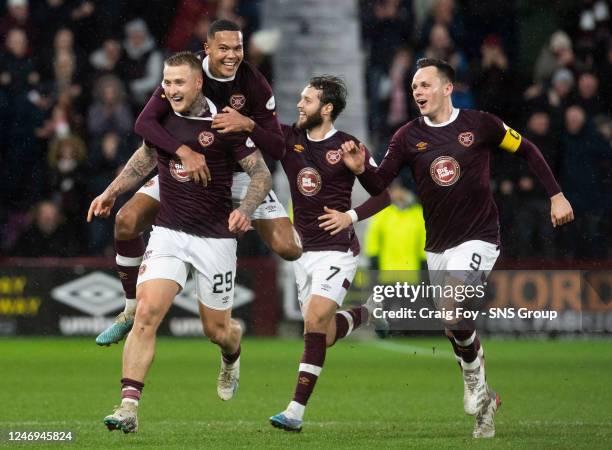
(75, 73)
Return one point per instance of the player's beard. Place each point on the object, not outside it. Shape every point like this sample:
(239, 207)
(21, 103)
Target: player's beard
(311, 121)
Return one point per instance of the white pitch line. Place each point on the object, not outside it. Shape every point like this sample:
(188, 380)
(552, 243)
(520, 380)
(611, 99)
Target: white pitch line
(411, 349)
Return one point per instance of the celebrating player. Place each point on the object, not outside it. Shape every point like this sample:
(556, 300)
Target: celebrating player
(448, 152)
(321, 189)
(194, 233)
(248, 107)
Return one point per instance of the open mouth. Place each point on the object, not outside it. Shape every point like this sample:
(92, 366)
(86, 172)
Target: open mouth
(421, 102)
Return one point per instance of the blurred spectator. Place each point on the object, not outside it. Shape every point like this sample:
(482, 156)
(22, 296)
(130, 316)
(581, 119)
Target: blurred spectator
(395, 239)
(587, 95)
(441, 45)
(585, 155)
(47, 235)
(396, 94)
(64, 48)
(143, 62)
(592, 26)
(387, 27)
(106, 59)
(531, 232)
(110, 111)
(104, 164)
(262, 46)
(198, 36)
(443, 13)
(557, 54)
(68, 180)
(17, 68)
(17, 16)
(494, 80)
(188, 24)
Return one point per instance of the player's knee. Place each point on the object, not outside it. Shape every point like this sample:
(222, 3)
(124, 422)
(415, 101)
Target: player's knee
(315, 324)
(147, 316)
(216, 334)
(126, 224)
(288, 250)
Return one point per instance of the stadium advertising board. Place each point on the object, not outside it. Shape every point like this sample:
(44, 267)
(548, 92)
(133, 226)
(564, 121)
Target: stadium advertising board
(72, 298)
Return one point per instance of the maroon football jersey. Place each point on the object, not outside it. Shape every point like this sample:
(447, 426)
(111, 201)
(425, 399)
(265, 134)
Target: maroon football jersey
(318, 178)
(450, 165)
(188, 206)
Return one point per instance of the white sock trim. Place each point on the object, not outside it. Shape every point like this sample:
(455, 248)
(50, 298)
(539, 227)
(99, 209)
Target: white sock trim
(349, 319)
(127, 261)
(467, 342)
(315, 370)
(129, 400)
(130, 305)
(295, 410)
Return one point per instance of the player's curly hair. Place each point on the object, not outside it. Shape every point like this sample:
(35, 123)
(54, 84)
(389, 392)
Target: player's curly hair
(333, 90)
(444, 68)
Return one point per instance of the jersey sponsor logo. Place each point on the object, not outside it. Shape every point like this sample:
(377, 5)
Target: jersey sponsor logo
(150, 183)
(237, 101)
(147, 255)
(445, 170)
(177, 171)
(466, 138)
(298, 148)
(421, 146)
(333, 156)
(205, 138)
(309, 181)
(143, 268)
(271, 103)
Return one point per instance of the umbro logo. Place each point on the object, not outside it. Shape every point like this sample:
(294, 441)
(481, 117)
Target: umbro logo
(422, 146)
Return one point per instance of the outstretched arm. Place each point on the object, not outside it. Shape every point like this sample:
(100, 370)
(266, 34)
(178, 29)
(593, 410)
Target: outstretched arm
(136, 169)
(560, 209)
(261, 183)
(336, 221)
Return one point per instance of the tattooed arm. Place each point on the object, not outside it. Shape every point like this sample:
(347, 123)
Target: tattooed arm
(136, 169)
(261, 183)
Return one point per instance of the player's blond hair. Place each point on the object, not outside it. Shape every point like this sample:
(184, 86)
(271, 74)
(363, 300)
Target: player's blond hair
(184, 59)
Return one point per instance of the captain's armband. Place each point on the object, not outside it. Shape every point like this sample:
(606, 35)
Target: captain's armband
(511, 141)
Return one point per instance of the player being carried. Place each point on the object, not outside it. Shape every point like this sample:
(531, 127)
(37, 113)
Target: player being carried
(448, 151)
(321, 189)
(194, 233)
(247, 106)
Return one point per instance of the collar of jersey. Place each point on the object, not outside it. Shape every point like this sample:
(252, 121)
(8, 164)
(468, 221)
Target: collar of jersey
(212, 109)
(206, 70)
(329, 134)
(453, 116)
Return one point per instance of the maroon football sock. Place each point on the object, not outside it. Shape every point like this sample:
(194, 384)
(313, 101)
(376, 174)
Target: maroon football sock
(347, 321)
(230, 358)
(127, 262)
(131, 390)
(310, 366)
(467, 344)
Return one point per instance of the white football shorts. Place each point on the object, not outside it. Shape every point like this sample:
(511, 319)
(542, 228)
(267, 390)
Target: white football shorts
(462, 261)
(270, 208)
(326, 273)
(173, 255)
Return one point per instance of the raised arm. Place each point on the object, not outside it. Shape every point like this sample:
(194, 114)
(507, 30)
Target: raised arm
(261, 183)
(374, 179)
(511, 141)
(136, 169)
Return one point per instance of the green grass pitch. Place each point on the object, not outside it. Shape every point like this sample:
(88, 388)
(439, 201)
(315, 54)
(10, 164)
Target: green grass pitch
(399, 393)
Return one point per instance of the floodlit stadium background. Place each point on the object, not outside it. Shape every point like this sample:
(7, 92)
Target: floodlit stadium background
(72, 83)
